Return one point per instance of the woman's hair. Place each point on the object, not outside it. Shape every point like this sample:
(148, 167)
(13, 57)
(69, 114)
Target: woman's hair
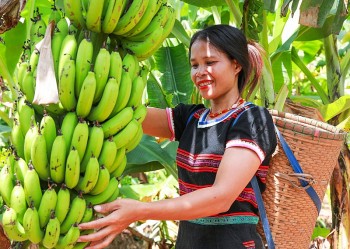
(234, 44)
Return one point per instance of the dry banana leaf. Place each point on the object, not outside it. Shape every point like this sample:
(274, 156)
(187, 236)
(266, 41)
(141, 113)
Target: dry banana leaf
(46, 91)
(10, 13)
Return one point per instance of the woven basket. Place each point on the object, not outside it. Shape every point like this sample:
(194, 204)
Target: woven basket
(290, 210)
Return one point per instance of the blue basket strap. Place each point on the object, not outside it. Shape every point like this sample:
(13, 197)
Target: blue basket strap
(297, 169)
(262, 212)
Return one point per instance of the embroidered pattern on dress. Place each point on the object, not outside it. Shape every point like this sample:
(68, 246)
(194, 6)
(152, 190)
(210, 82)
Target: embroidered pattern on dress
(249, 244)
(225, 220)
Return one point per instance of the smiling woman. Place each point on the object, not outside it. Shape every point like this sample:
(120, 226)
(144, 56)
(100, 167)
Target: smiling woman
(220, 150)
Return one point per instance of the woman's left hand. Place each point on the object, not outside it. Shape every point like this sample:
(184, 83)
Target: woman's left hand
(119, 214)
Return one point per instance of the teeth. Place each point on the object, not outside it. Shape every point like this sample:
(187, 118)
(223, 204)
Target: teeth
(205, 84)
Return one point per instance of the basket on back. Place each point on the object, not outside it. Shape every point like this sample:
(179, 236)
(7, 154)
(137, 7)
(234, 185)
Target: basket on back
(290, 210)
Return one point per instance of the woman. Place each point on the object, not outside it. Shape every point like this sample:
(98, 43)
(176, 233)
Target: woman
(220, 149)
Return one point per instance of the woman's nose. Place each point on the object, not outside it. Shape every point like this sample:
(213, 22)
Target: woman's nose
(201, 70)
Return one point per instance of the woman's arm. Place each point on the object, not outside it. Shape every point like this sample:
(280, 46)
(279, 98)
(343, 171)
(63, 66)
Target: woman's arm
(156, 123)
(236, 169)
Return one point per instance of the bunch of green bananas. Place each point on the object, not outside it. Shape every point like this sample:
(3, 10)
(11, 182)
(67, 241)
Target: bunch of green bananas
(68, 156)
(140, 26)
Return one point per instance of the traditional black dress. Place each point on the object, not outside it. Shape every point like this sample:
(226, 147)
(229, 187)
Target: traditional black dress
(202, 144)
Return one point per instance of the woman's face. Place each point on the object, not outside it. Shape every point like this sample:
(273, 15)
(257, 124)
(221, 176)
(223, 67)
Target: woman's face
(212, 72)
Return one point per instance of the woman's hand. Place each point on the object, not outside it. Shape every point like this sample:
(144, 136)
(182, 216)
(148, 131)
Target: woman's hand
(119, 214)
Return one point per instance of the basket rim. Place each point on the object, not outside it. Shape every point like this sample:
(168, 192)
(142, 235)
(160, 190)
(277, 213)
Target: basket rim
(306, 126)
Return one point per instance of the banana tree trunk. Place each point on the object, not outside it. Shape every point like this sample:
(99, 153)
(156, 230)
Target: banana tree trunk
(340, 199)
(10, 13)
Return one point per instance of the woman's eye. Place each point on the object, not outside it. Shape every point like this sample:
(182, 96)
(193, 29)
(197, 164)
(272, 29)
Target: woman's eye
(210, 62)
(194, 65)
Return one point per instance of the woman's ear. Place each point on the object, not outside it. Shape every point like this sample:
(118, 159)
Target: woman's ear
(236, 66)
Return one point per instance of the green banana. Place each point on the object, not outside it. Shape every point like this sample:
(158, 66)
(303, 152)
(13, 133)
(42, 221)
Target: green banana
(135, 141)
(7, 184)
(102, 181)
(120, 169)
(114, 11)
(94, 145)
(66, 86)
(168, 27)
(124, 92)
(131, 17)
(159, 20)
(72, 172)
(80, 138)
(108, 153)
(48, 130)
(68, 51)
(18, 201)
(28, 141)
(151, 11)
(21, 70)
(101, 69)
(60, 32)
(31, 225)
(73, 10)
(37, 30)
(47, 204)
(69, 239)
(52, 232)
(89, 180)
(69, 122)
(140, 48)
(13, 228)
(117, 122)
(55, 14)
(26, 115)
(114, 196)
(75, 214)
(105, 106)
(131, 64)
(34, 59)
(83, 63)
(105, 195)
(17, 138)
(20, 168)
(137, 89)
(140, 113)
(94, 15)
(38, 155)
(115, 70)
(32, 188)
(28, 85)
(117, 160)
(124, 136)
(88, 214)
(86, 96)
(58, 159)
(63, 203)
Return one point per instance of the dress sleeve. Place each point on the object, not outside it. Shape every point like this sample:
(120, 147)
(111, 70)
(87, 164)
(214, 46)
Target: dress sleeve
(178, 118)
(253, 129)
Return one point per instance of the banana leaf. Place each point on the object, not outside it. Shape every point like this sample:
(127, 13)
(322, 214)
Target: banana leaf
(173, 64)
(335, 108)
(314, 12)
(150, 155)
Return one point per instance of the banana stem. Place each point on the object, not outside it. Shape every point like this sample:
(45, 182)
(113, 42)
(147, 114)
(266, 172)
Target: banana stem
(235, 12)
(308, 74)
(4, 72)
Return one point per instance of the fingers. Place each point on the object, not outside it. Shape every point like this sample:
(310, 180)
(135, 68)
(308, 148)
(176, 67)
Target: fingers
(106, 208)
(102, 243)
(101, 234)
(96, 224)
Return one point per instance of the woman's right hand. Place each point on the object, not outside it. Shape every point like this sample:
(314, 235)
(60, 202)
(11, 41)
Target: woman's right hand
(118, 215)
